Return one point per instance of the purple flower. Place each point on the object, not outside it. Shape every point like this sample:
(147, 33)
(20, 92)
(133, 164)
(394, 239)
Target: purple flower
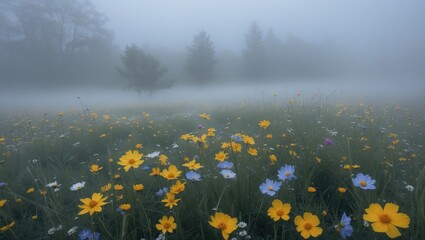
(346, 229)
(200, 126)
(162, 191)
(328, 141)
(225, 165)
(286, 173)
(86, 234)
(270, 187)
(364, 181)
(194, 176)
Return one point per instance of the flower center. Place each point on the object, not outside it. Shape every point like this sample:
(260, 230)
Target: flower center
(288, 174)
(270, 188)
(384, 218)
(307, 226)
(171, 175)
(167, 225)
(92, 204)
(131, 161)
(279, 212)
(363, 183)
(222, 226)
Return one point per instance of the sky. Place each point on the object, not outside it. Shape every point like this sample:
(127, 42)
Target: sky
(374, 25)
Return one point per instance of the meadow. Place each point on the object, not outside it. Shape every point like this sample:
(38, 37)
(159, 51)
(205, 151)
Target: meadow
(289, 168)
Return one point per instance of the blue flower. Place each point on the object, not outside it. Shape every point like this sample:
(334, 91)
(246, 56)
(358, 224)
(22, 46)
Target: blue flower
(364, 181)
(286, 173)
(225, 165)
(194, 176)
(346, 229)
(119, 210)
(162, 191)
(270, 187)
(236, 138)
(228, 173)
(86, 234)
(2, 184)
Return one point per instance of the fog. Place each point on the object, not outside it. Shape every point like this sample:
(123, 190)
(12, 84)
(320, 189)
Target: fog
(111, 53)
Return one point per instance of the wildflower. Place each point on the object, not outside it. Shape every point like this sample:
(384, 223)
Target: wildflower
(386, 220)
(138, 146)
(34, 217)
(236, 138)
(364, 181)
(252, 151)
(106, 188)
(161, 191)
(131, 159)
(125, 206)
(264, 124)
(307, 225)
(311, 189)
(153, 155)
(93, 204)
(220, 156)
(346, 230)
(269, 136)
(30, 190)
(328, 141)
(273, 159)
(77, 186)
(248, 140)
(7, 227)
(279, 210)
(270, 187)
(225, 165)
(342, 190)
(225, 223)
(192, 165)
(166, 224)
(2, 184)
(211, 132)
(155, 171)
(138, 187)
(178, 187)
(95, 168)
(53, 229)
(53, 184)
(286, 173)
(205, 116)
(409, 188)
(118, 187)
(228, 173)
(347, 167)
(163, 159)
(72, 230)
(2, 202)
(242, 224)
(242, 233)
(103, 135)
(225, 145)
(86, 234)
(171, 173)
(194, 176)
(236, 147)
(170, 200)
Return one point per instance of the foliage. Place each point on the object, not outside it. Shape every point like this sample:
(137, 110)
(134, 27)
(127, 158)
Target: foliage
(142, 70)
(200, 58)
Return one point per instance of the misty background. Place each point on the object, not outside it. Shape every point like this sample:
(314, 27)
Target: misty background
(49, 47)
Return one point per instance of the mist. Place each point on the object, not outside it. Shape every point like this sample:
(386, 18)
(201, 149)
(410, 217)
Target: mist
(206, 50)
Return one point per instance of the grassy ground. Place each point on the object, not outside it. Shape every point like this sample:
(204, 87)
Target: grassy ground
(328, 143)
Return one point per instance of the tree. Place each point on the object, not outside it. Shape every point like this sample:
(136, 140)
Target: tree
(142, 70)
(200, 58)
(254, 54)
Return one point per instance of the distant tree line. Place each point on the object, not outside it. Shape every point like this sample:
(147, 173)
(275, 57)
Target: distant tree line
(56, 42)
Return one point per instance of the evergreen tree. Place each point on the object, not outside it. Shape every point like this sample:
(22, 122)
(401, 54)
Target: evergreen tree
(200, 58)
(254, 55)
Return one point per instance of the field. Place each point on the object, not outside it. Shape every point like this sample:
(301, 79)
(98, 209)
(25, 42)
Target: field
(280, 169)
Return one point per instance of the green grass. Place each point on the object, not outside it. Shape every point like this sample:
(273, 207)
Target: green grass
(40, 148)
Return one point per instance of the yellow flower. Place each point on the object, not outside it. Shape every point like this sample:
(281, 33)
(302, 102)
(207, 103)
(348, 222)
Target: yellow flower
(171, 173)
(342, 190)
(170, 200)
(139, 145)
(225, 223)
(192, 165)
(178, 187)
(2, 202)
(347, 167)
(163, 159)
(106, 188)
(118, 187)
(279, 210)
(273, 159)
(131, 159)
(252, 151)
(125, 206)
(155, 171)
(166, 224)
(205, 116)
(311, 189)
(95, 168)
(102, 135)
(386, 220)
(5, 228)
(355, 166)
(225, 145)
(248, 140)
(138, 187)
(269, 136)
(211, 132)
(93, 204)
(34, 217)
(308, 225)
(30, 190)
(220, 156)
(264, 124)
(186, 137)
